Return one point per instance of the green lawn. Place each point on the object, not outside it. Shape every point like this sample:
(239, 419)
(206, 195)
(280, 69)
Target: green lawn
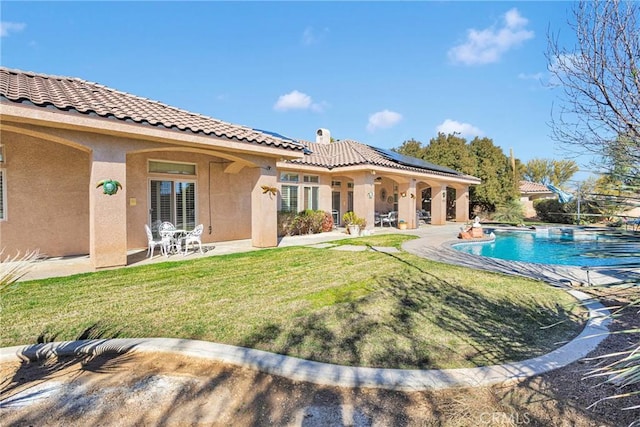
(355, 308)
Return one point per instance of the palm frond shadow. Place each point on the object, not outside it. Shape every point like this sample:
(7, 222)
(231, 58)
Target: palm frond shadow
(47, 359)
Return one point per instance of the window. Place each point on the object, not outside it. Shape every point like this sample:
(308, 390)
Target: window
(173, 201)
(289, 177)
(336, 183)
(3, 202)
(289, 195)
(311, 178)
(1, 153)
(311, 197)
(172, 168)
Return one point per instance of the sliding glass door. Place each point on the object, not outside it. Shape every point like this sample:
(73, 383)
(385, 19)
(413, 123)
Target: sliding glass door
(173, 201)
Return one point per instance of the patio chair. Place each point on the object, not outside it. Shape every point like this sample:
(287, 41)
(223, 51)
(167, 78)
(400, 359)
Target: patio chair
(152, 243)
(390, 219)
(194, 236)
(167, 235)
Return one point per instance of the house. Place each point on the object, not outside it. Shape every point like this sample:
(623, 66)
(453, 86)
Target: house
(530, 192)
(60, 137)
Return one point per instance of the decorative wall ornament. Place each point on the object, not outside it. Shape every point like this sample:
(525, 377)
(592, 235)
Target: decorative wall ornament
(109, 186)
(383, 194)
(267, 189)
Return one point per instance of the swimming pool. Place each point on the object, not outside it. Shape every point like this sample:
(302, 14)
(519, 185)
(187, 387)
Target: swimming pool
(563, 246)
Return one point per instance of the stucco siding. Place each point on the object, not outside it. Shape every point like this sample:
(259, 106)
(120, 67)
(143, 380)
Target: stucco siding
(223, 200)
(47, 197)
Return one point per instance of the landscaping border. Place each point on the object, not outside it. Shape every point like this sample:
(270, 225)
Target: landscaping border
(594, 332)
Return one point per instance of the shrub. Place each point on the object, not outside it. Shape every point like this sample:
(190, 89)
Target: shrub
(327, 223)
(551, 210)
(350, 218)
(305, 222)
(511, 212)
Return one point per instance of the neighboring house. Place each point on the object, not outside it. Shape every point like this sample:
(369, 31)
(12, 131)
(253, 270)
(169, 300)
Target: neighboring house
(61, 136)
(532, 191)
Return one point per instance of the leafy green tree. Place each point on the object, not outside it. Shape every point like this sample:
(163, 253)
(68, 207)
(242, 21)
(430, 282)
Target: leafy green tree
(493, 167)
(562, 171)
(547, 171)
(538, 170)
(479, 158)
(450, 151)
(411, 148)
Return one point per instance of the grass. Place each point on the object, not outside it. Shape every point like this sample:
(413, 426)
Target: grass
(355, 308)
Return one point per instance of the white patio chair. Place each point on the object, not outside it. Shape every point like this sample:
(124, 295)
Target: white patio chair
(390, 219)
(194, 236)
(167, 234)
(152, 243)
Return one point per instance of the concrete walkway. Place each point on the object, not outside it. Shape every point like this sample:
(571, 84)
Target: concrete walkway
(434, 243)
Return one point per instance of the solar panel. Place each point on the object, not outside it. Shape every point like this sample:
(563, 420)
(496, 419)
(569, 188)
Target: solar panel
(277, 135)
(413, 161)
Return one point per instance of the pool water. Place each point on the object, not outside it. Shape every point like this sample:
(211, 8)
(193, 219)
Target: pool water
(576, 247)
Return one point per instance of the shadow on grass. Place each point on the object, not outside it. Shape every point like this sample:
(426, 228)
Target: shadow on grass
(44, 361)
(391, 327)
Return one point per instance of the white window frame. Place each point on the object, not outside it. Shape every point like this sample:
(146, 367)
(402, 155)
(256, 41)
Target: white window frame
(289, 177)
(174, 209)
(311, 197)
(286, 189)
(3, 194)
(311, 179)
(149, 161)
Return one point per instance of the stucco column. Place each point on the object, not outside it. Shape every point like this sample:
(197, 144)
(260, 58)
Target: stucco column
(438, 204)
(264, 208)
(363, 194)
(108, 214)
(462, 204)
(407, 204)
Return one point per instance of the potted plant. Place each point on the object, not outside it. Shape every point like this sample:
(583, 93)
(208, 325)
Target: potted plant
(354, 223)
(402, 225)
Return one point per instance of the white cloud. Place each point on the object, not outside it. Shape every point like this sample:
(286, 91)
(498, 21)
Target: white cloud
(465, 129)
(11, 27)
(296, 100)
(536, 76)
(383, 120)
(311, 36)
(488, 45)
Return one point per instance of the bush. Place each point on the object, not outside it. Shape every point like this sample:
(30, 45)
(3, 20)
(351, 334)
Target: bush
(511, 212)
(551, 210)
(350, 218)
(305, 222)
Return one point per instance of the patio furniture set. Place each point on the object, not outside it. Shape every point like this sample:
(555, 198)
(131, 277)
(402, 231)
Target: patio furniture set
(173, 240)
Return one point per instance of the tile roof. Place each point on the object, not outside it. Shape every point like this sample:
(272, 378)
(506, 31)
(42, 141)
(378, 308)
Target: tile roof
(77, 95)
(351, 153)
(533, 187)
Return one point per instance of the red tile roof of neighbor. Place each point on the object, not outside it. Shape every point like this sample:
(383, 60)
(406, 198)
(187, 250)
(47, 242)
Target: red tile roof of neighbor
(533, 187)
(74, 94)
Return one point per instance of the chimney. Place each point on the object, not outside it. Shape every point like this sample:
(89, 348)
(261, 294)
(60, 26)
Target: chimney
(323, 136)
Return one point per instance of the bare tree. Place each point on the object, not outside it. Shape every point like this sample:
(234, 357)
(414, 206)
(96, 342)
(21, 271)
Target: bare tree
(600, 79)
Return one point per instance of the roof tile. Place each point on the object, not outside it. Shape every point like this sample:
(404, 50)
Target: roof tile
(69, 93)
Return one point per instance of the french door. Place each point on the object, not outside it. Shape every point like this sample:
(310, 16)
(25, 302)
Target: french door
(173, 201)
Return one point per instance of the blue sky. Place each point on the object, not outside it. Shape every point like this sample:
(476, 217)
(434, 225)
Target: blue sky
(377, 72)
